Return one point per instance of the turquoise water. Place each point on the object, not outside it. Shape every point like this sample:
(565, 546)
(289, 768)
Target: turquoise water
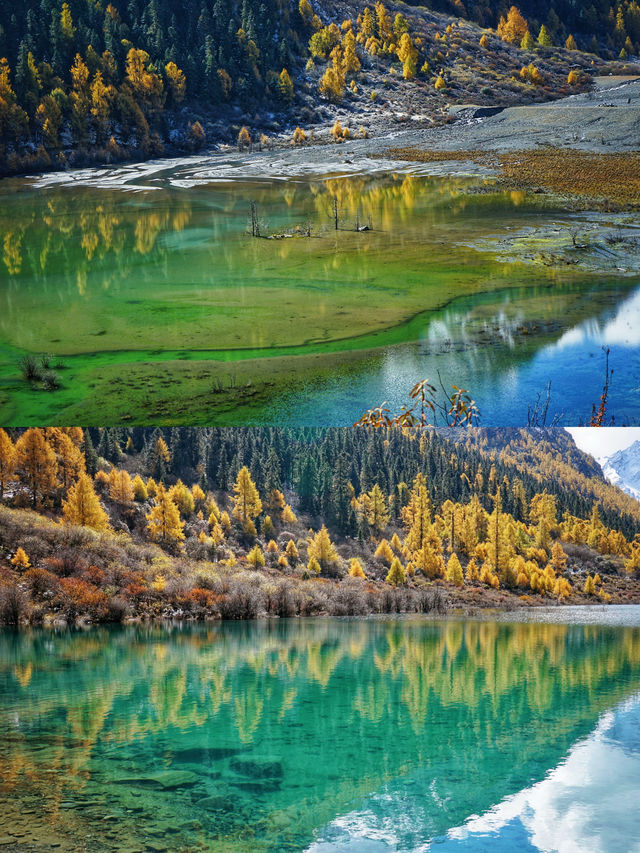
(380, 735)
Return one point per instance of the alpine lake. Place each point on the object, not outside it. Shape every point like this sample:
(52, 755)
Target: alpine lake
(324, 735)
(141, 297)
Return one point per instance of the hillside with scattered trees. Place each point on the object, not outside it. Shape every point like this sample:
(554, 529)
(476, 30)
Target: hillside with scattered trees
(86, 82)
(109, 524)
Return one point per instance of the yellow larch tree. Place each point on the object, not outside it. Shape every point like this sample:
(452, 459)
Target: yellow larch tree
(37, 460)
(139, 489)
(513, 28)
(8, 461)
(292, 552)
(377, 512)
(199, 497)
(632, 565)
(142, 78)
(246, 501)
(416, 515)
(69, 456)
(355, 568)
(384, 553)
(163, 522)
(177, 82)
(428, 558)
(83, 507)
(120, 486)
(408, 56)
(454, 571)
(182, 497)
(288, 515)
(558, 557)
(350, 61)
(397, 574)
(322, 549)
(20, 559)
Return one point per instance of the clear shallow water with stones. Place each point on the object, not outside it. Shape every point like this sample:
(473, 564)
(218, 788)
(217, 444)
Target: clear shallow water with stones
(321, 735)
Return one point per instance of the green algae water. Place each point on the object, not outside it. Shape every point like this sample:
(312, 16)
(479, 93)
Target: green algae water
(151, 304)
(321, 735)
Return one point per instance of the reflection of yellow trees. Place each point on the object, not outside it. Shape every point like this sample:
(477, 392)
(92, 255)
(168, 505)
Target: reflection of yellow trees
(248, 712)
(12, 252)
(131, 688)
(23, 674)
(97, 228)
(288, 701)
(167, 697)
(322, 661)
(371, 700)
(89, 243)
(470, 662)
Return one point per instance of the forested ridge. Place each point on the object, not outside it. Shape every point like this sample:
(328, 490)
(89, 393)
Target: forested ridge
(86, 80)
(238, 523)
(318, 464)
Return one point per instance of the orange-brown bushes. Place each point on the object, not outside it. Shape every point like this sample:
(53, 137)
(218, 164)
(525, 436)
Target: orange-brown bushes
(42, 582)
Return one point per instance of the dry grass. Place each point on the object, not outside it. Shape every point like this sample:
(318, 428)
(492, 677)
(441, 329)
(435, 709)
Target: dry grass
(604, 179)
(611, 178)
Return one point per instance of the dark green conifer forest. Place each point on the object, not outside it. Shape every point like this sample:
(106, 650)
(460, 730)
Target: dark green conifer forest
(324, 467)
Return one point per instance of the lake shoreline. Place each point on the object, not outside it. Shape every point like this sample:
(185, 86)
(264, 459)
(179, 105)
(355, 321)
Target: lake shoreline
(432, 601)
(581, 130)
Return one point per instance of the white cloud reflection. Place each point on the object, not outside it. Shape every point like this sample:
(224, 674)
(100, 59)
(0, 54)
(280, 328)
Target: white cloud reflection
(587, 804)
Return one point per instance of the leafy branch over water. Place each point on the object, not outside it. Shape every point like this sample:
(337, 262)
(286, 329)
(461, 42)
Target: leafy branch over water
(432, 407)
(427, 405)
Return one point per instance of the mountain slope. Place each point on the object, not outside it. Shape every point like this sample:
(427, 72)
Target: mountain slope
(83, 83)
(298, 522)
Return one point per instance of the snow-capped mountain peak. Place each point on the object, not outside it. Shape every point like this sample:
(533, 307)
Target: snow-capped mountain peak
(622, 469)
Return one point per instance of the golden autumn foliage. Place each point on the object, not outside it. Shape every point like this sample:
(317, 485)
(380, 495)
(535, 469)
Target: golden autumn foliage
(267, 526)
(38, 461)
(255, 557)
(177, 82)
(332, 84)
(397, 574)
(355, 568)
(163, 521)
(299, 136)
(292, 552)
(288, 515)
(408, 56)
(20, 559)
(246, 502)
(384, 553)
(120, 486)
(183, 498)
(83, 507)
(244, 139)
(322, 549)
(285, 87)
(8, 461)
(513, 27)
(139, 488)
(454, 571)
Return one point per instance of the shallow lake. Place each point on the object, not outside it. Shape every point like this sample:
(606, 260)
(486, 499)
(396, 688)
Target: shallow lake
(323, 735)
(153, 305)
